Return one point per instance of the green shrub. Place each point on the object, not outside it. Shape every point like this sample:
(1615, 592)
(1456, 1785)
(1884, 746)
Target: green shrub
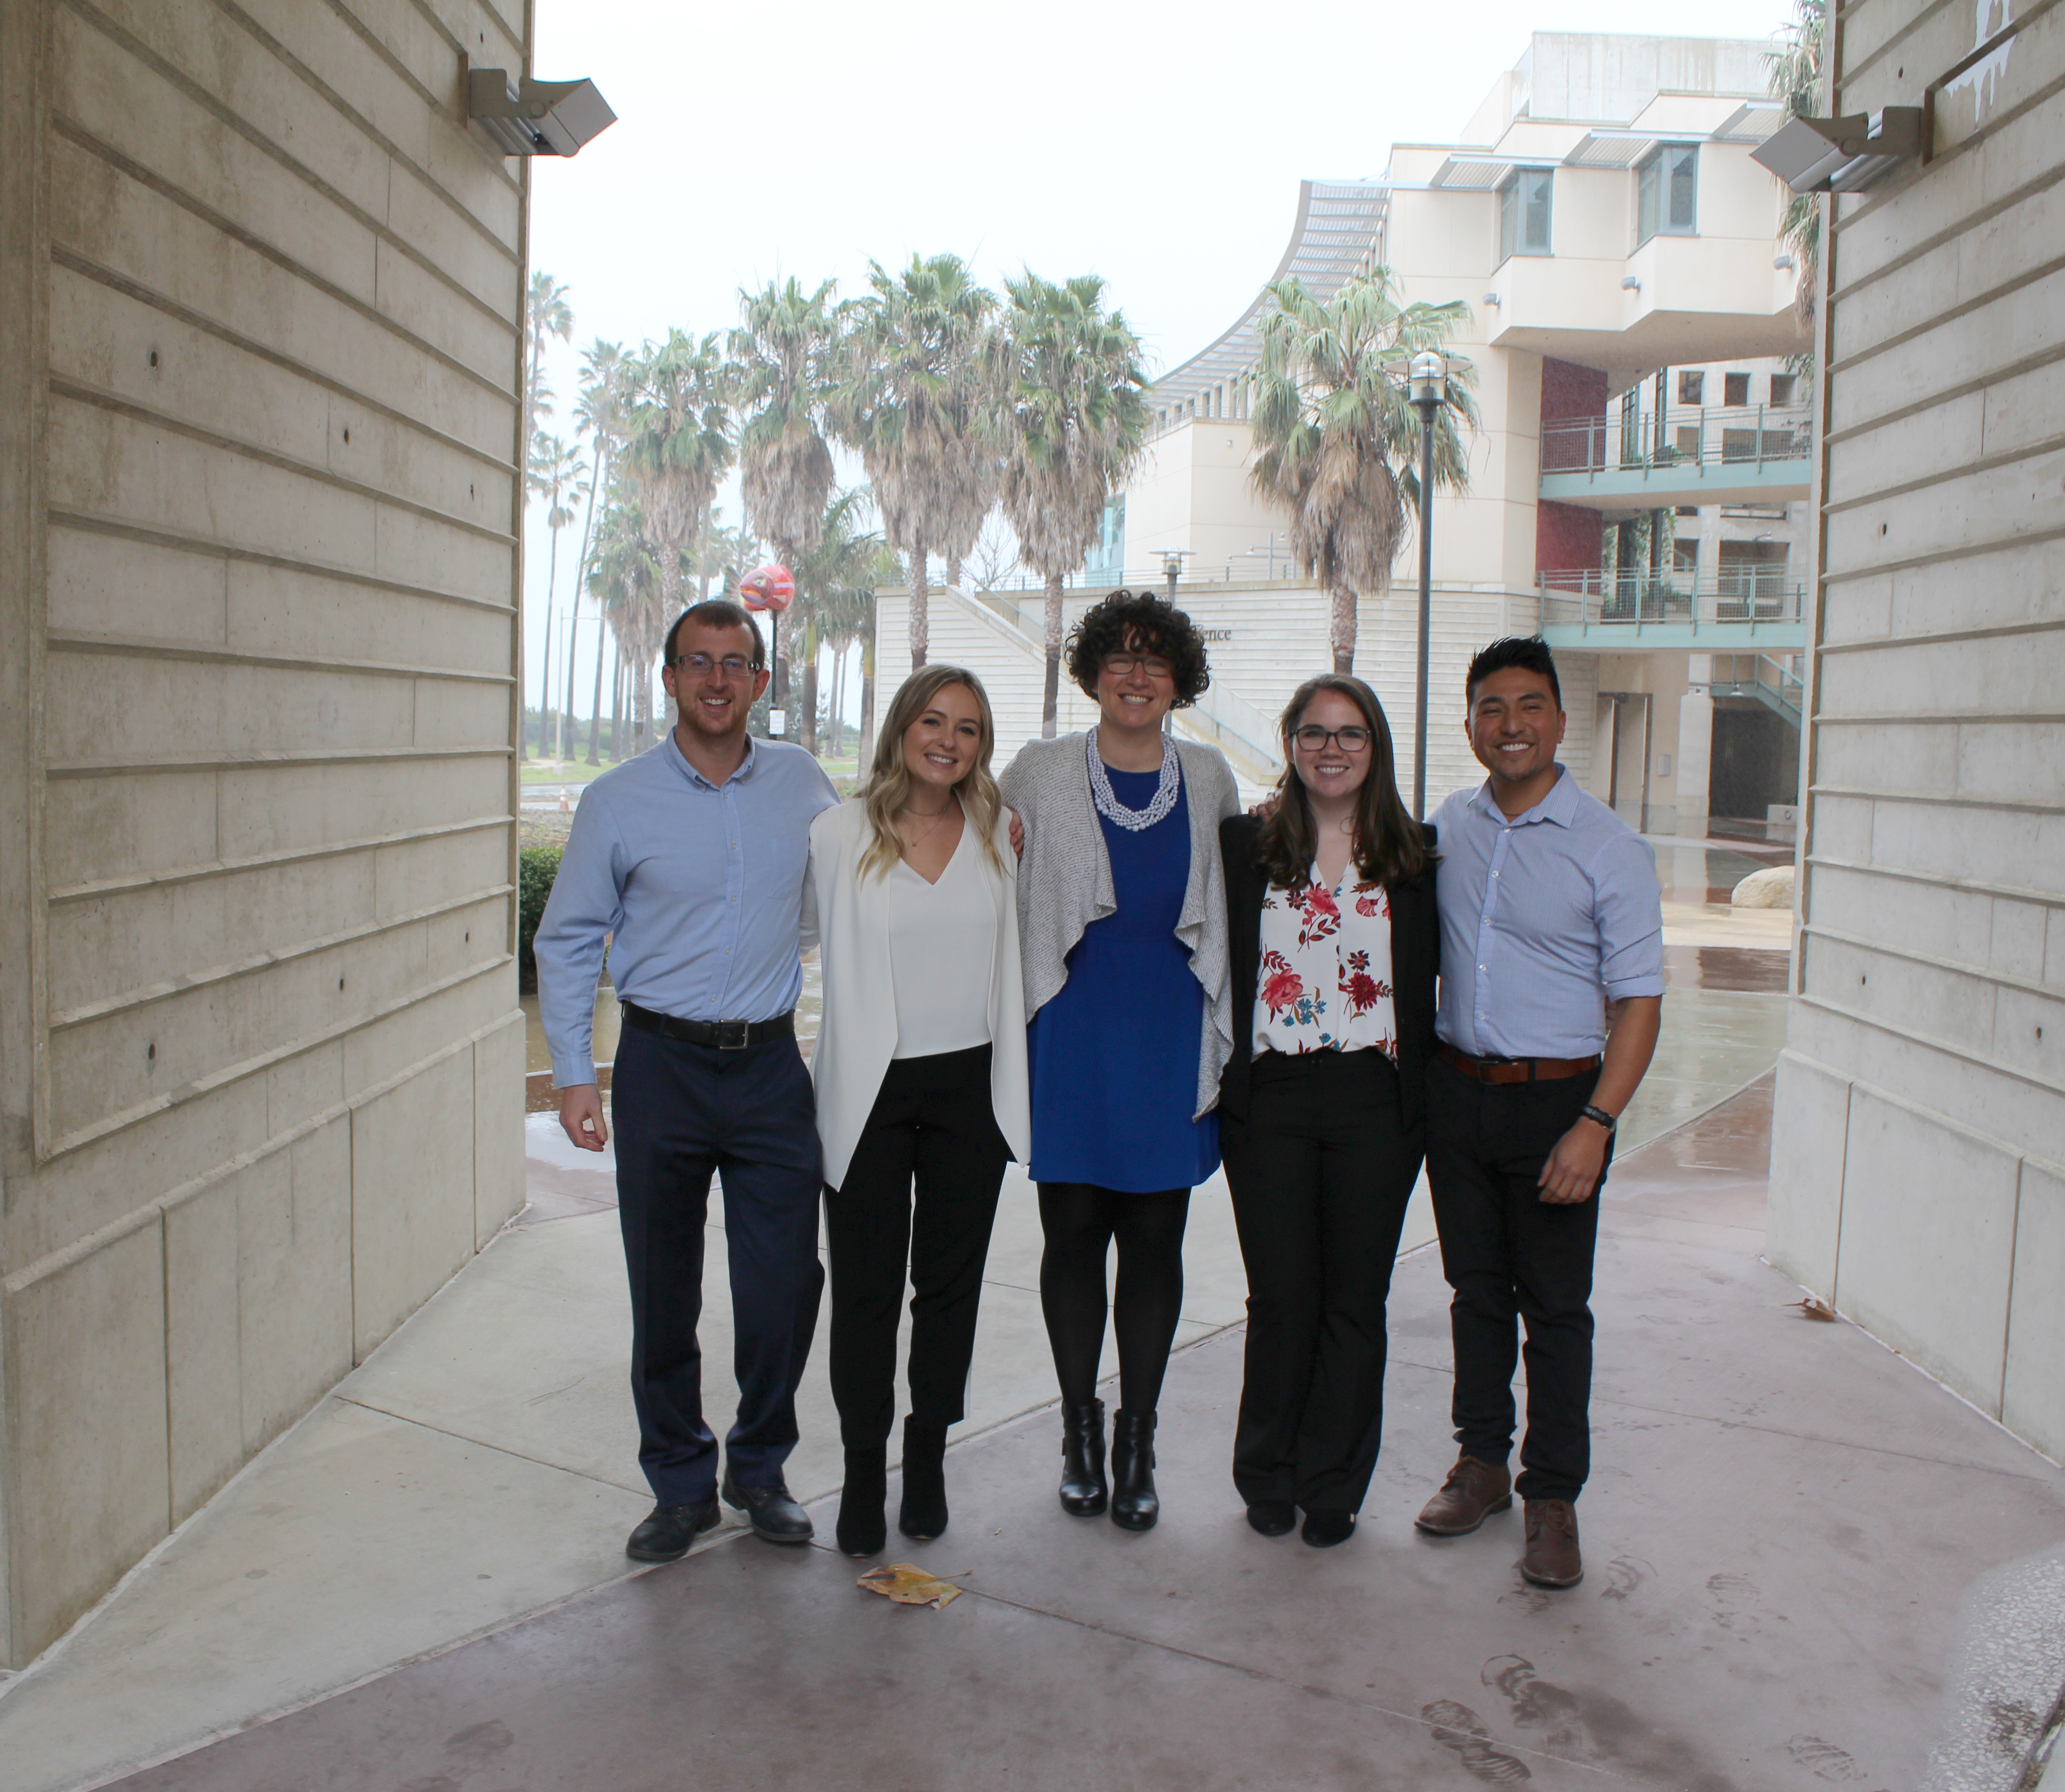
(537, 867)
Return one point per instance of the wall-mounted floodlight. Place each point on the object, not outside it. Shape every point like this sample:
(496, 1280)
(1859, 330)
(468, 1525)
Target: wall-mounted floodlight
(536, 117)
(1841, 155)
(1629, 284)
(1782, 263)
(1493, 298)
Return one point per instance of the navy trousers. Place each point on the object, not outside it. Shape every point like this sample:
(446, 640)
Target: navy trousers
(683, 1112)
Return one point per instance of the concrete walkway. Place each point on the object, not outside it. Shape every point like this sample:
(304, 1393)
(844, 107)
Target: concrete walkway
(1783, 1521)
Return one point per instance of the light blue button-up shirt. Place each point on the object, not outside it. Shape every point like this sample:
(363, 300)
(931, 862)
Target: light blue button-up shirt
(1545, 919)
(701, 884)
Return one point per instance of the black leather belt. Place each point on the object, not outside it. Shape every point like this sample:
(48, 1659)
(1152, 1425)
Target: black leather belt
(730, 1036)
(1514, 1069)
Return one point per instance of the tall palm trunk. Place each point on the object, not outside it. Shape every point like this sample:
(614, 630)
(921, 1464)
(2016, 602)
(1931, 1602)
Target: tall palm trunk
(595, 704)
(1050, 703)
(954, 571)
(921, 621)
(866, 700)
(808, 733)
(568, 726)
(616, 703)
(1343, 629)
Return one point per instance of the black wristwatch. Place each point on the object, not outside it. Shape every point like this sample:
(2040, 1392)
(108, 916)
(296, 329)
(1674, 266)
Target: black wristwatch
(1600, 1117)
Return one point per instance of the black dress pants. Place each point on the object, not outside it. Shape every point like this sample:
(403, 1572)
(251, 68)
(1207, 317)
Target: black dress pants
(1513, 1258)
(683, 1112)
(933, 1124)
(1321, 1171)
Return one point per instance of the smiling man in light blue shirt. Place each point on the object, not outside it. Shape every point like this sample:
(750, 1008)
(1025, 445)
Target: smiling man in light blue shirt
(1552, 989)
(691, 859)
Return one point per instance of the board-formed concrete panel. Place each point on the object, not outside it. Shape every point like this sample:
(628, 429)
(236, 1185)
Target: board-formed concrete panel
(2032, 1398)
(1809, 1131)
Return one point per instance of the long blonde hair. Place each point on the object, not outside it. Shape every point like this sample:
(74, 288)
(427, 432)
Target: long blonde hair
(888, 786)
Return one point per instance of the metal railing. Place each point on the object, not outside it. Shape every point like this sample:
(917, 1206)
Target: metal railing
(1777, 683)
(1590, 599)
(1685, 436)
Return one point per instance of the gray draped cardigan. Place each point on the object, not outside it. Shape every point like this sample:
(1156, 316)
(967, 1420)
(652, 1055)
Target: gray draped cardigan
(1064, 880)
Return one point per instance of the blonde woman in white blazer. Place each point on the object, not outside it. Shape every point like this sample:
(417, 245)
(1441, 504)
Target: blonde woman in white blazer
(921, 1081)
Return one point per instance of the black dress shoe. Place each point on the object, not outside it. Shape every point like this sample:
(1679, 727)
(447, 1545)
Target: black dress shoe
(1323, 1529)
(862, 1528)
(769, 1510)
(666, 1531)
(1135, 1505)
(1273, 1518)
(922, 1514)
(1084, 1490)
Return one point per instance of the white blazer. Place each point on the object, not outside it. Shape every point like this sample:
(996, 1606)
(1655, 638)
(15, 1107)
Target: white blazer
(856, 1035)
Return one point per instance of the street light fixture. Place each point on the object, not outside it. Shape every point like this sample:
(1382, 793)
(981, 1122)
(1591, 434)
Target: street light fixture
(1427, 387)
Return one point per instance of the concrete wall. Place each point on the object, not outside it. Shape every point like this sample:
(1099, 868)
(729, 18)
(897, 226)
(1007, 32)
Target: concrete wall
(1916, 1172)
(260, 1055)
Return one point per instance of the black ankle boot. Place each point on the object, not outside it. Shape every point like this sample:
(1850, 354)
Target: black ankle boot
(922, 1514)
(863, 1527)
(1083, 1489)
(1134, 1503)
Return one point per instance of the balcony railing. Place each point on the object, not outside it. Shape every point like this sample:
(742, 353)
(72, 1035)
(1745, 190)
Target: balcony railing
(1731, 599)
(1685, 436)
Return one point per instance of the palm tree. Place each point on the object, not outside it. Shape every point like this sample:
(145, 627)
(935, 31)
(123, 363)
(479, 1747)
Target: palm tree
(835, 594)
(677, 446)
(624, 581)
(910, 406)
(1336, 439)
(547, 313)
(1070, 417)
(1795, 82)
(600, 413)
(556, 474)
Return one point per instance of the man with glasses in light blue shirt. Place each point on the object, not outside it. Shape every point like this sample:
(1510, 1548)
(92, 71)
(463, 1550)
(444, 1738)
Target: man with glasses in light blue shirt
(1552, 991)
(690, 861)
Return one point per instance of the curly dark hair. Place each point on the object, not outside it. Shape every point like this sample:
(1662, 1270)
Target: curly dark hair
(1142, 623)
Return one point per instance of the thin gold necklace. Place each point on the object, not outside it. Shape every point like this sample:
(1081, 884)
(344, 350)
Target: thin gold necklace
(911, 844)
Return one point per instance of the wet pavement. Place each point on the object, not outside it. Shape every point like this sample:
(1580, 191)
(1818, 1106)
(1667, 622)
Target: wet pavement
(1783, 1519)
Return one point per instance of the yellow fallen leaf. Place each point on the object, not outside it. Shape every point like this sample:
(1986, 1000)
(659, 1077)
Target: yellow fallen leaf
(1815, 1308)
(908, 1585)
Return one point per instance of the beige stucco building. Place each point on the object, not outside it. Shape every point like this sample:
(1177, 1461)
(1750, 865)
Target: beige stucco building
(261, 1059)
(1918, 1155)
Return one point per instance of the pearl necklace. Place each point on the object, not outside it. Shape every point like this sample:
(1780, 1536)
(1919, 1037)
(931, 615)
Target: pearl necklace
(1133, 821)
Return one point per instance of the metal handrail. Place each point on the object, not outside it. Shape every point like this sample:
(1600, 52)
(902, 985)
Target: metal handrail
(1687, 435)
(1587, 599)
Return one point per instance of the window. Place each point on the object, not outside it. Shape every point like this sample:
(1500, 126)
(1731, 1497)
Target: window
(1666, 190)
(1689, 387)
(1737, 388)
(1781, 388)
(1685, 559)
(1688, 510)
(1523, 213)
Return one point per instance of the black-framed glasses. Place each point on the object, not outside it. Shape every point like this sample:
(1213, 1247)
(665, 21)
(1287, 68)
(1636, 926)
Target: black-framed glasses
(1123, 665)
(1313, 738)
(732, 665)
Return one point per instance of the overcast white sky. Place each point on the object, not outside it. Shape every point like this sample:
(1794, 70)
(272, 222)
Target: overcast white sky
(1157, 143)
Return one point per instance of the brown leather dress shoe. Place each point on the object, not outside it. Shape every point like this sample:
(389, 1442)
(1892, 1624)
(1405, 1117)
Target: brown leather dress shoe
(1472, 1492)
(1552, 1557)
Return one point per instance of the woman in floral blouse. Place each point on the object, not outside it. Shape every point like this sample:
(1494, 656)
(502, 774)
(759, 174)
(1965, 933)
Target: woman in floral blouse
(1334, 942)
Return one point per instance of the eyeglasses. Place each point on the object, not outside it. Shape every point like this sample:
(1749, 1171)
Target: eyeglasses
(701, 665)
(1314, 738)
(1123, 665)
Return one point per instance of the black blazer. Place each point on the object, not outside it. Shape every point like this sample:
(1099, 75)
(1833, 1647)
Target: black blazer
(1415, 954)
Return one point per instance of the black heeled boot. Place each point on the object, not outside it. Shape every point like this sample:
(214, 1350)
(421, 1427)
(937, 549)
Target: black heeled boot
(1134, 1503)
(863, 1525)
(1083, 1488)
(922, 1514)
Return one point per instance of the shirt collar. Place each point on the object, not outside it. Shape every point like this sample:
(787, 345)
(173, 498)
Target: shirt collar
(1559, 806)
(676, 758)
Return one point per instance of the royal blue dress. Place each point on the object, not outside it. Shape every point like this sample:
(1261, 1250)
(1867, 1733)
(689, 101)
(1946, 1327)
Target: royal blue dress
(1114, 1054)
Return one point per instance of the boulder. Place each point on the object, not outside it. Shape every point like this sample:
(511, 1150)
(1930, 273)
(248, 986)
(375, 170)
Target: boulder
(1772, 888)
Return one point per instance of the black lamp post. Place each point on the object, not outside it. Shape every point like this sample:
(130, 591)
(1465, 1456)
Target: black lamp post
(1428, 388)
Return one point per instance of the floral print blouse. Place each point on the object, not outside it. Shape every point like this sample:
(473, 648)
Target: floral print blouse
(1325, 980)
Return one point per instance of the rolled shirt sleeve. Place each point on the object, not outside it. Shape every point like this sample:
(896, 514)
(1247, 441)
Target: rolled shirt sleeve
(1628, 906)
(586, 906)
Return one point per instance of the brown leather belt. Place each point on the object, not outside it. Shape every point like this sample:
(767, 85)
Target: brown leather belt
(1514, 1069)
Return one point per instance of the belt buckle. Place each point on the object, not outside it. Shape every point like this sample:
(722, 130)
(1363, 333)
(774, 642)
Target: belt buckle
(731, 1035)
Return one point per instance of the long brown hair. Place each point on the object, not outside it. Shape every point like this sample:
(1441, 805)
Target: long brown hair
(1389, 847)
(888, 784)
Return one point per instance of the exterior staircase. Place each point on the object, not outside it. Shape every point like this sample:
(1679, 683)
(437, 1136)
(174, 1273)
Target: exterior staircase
(1773, 682)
